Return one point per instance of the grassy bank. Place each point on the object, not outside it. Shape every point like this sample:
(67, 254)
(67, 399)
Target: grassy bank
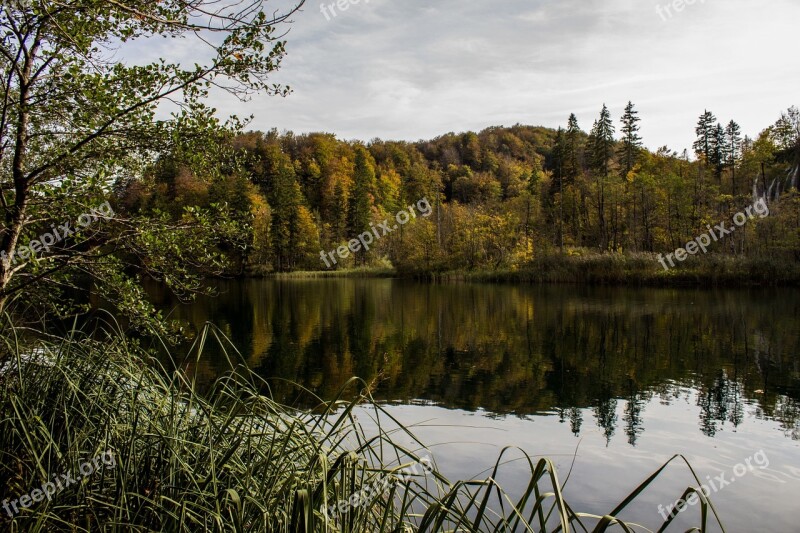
(364, 272)
(640, 269)
(229, 459)
(637, 269)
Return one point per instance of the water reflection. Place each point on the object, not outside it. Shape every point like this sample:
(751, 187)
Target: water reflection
(521, 350)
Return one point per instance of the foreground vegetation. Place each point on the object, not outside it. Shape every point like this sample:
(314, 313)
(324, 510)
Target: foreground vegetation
(229, 458)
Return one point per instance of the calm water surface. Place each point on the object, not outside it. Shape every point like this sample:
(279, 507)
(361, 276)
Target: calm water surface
(627, 377)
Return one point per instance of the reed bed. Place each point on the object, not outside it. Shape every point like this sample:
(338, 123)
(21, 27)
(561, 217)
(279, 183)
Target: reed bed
(360, 272)
(232, 459)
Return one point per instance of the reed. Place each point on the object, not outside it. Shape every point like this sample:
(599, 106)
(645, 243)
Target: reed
(231, 458)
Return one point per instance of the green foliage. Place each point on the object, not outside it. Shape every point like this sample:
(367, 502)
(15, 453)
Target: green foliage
(631, 141)
(601, 143)
(705, 135)
(573, 165)
(78, 128)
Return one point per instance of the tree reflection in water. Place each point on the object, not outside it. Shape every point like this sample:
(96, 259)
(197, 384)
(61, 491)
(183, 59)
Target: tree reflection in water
(518, 350)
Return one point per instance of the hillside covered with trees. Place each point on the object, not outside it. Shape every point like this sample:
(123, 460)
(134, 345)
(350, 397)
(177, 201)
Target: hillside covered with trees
(502, 198)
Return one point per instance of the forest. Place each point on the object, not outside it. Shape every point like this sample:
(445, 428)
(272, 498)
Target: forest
(504, 198)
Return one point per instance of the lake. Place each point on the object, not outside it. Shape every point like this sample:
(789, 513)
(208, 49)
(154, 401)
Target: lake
(610, 382)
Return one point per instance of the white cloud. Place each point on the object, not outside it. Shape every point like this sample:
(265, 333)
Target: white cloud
(407, 69)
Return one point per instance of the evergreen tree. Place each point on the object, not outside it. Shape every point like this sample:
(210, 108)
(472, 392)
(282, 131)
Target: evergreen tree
(592, 146)
(601, 147)
(705, 134)
(286, 201)
(786, 134)
(602, 143)
(733, 150)
(718, 148)
(631, 141)
(558, 156)
(572, 166)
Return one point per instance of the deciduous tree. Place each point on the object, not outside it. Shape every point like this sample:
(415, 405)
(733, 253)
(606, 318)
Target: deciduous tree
(74, 120)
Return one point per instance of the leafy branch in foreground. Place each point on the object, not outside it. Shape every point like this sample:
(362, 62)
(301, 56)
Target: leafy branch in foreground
(75, 122)
(232, 459)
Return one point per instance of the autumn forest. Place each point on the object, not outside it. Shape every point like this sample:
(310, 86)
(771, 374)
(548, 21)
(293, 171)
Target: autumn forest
(504, 197)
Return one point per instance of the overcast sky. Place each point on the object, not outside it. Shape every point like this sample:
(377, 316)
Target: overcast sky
(415, 69)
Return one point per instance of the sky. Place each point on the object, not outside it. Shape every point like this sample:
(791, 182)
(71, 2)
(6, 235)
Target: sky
(414, 69)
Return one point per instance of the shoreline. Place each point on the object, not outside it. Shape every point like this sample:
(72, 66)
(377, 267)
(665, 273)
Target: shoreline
(595, 269)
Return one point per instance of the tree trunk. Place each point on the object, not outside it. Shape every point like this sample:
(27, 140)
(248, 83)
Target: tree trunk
(15, 214)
